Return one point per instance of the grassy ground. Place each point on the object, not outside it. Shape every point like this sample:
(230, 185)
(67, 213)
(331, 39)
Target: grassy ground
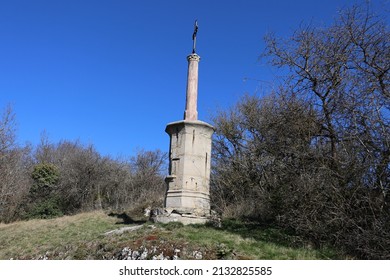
(82, 237)
(31, 239)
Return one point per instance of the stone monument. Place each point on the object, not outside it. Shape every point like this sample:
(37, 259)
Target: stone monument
(187, 198)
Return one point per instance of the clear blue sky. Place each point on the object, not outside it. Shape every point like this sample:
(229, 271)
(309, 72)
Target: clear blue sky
(113, 73)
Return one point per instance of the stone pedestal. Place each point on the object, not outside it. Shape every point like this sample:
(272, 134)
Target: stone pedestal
(188, 195)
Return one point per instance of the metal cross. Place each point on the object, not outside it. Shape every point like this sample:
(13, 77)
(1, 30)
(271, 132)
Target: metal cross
(194, 36)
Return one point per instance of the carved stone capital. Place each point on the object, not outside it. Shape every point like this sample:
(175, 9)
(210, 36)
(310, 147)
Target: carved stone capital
(193, 57)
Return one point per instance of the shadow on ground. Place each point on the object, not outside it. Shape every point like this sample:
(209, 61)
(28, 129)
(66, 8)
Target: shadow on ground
(262, 232)
(272, 234)
(125, 219)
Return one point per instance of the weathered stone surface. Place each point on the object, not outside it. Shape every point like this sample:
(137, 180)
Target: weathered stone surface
(185, 219)
(189, 167)
(188, 194)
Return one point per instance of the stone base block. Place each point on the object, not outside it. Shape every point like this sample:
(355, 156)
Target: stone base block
(163, 216)
(187, 202)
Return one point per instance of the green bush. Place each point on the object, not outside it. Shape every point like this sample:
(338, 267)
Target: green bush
(46, 209)
(46, 177)
(44, 202)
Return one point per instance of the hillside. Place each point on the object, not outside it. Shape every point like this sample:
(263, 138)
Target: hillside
(87, 236)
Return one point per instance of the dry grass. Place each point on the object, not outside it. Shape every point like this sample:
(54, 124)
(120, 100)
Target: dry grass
(82, 237)
(30, 239)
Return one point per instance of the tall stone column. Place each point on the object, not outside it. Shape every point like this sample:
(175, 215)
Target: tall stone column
(187, 199)
(191, 113)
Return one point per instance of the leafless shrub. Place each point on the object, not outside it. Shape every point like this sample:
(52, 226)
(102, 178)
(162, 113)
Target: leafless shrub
(314, 157)
(14, 178)
(84, 180)
(89, 181)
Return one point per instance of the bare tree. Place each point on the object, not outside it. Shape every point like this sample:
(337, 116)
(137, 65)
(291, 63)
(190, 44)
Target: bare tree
(344, 71)
(314, 157)
(90, 181)
(147, 184)
(14, 178)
